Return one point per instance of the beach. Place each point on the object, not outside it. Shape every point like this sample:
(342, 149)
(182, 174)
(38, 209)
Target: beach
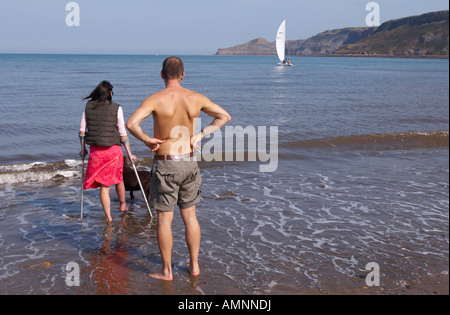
(360, 175)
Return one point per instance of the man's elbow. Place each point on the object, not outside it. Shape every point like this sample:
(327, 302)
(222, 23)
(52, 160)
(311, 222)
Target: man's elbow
(131, 126)
(227, 118)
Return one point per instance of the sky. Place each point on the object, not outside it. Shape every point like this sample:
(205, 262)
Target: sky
(184, 27)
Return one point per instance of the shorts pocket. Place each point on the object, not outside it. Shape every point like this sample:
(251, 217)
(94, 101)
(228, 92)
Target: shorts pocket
(194, 181)
(189, 193)
(164, 182)
(196, 178)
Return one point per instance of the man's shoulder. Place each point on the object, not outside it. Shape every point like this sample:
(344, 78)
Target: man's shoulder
(160, 95)
(153, 97)
(193, 94)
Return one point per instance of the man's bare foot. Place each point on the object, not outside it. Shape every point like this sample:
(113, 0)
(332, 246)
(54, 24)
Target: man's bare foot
(194, 269)
(161, 276)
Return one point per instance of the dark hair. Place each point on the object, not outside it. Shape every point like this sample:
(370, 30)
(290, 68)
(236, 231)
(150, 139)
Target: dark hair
(173, 68)
(102, 93)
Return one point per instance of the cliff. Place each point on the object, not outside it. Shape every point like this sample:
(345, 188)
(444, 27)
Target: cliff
(426, 35)
(327, 43)
(259, 47)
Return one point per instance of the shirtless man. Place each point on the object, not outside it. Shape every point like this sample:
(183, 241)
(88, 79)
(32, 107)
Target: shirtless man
(175, 175)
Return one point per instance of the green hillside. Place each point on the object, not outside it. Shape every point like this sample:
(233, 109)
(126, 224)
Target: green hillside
(426, 35)
(422, 36)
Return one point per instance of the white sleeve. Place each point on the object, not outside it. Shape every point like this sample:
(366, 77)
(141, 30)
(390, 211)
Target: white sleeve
(121, 123)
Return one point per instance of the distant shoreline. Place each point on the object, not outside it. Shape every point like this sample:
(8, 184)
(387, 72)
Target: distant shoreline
(419, 37)
(342, 56)
(215, 55)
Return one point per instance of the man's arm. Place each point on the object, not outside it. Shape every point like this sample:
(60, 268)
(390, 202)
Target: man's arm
(133, 125)
(221, 118)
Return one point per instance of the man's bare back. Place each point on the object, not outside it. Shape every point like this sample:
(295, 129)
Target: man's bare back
(174, 111)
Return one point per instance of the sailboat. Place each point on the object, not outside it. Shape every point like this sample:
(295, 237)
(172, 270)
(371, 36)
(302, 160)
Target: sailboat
(281, 45)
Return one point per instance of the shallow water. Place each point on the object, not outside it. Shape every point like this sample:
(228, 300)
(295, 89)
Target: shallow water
(261, 234)
(355, 183)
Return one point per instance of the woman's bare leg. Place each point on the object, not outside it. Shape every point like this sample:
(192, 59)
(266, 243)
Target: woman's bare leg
(106, 202)
(120, 189)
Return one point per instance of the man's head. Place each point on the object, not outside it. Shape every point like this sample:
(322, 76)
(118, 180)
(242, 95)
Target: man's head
(173, 69)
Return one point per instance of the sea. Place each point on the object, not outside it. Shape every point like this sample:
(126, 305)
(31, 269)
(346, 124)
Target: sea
(342, 186)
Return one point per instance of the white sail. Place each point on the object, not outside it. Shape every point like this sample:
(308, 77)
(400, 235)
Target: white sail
(281, 41)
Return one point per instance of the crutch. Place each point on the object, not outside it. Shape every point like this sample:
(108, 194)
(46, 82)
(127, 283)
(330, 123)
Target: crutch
(83, 155)
(125, 144)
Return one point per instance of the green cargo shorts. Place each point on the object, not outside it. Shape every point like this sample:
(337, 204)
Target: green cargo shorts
(174, 183)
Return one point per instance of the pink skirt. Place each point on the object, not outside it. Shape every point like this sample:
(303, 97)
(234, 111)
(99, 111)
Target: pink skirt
(105, 167)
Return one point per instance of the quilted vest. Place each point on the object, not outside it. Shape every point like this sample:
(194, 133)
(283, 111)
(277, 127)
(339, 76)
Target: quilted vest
(101, 123)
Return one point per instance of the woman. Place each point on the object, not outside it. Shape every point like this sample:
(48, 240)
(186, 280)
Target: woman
(103, 125)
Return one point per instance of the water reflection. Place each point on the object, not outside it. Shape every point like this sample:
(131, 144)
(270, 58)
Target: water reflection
(108, 263)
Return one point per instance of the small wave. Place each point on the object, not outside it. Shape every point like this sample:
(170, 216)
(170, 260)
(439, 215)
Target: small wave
(26, 177)
(391, 141)
(21, 167)
(44, 171)
(38, 171)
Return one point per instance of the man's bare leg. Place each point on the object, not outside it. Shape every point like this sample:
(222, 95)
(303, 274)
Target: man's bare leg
(193, 236)
(165, 243)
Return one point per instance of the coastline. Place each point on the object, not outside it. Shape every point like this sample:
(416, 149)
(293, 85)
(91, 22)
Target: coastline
(343, 56)
(234, 55)
(421, 36)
